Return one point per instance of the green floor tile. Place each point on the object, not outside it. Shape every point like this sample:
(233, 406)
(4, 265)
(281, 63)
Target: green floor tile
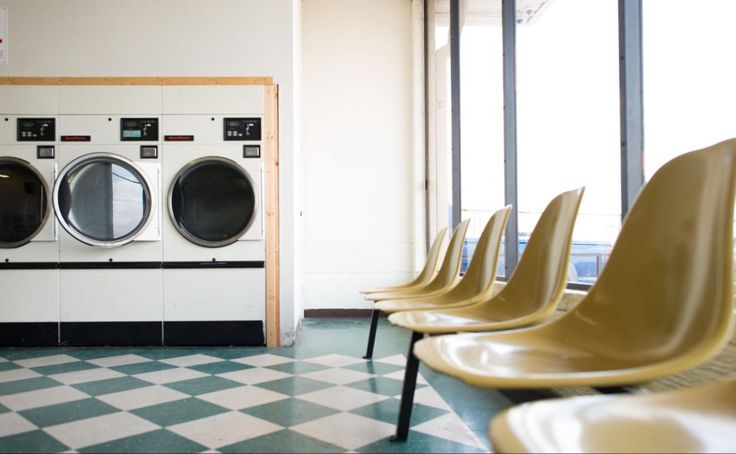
(235, 352)
(294, 386)
(419, 443)
(142, 368)
(67, 412)
(298, 367)
(284, 441)
(159, 441)
(388, 411)
(220, 367)
(63, 368)
(112, 385)
(31, 442)
(375, 368)
(289, 412)
(29, 353)
(4, 409)
(381, 385)
(8, 366)
(95, 353)
(179, 411)
(167, 353)
(31, 384)
(203, 385)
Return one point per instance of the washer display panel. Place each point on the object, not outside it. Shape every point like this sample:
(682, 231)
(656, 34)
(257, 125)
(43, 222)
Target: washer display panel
(24, 204)
(102, 200)
(212, 202)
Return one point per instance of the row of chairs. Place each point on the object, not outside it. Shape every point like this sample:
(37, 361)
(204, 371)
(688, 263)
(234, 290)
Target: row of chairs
(663, 304)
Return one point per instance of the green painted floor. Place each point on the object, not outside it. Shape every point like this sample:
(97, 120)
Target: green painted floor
(319, 396)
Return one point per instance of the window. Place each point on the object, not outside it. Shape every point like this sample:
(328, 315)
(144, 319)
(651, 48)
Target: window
(568, 122)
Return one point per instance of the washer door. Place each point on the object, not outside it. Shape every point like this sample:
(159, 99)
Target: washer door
(212, 202)
(24, 202)
(103, 200)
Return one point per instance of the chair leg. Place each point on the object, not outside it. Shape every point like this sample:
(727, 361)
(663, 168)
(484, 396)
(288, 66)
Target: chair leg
(407, 392)
(372, 334)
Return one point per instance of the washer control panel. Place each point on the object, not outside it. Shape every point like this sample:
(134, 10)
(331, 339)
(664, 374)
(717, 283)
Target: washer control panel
(36, 130)
(242, 129)
(139, 129)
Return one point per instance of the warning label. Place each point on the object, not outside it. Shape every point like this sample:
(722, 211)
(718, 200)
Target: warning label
(3, 35)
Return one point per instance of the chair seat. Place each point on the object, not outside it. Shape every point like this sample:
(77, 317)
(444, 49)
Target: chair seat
(538, 357)
(462, 319)
(699, 419)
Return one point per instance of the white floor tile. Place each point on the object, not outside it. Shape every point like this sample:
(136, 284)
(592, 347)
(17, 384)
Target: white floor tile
(428, 396)
(337, 376)
(399, 375)
(396, 360)
(191, 360)
(242, 397)
(46, 361)
(224, 429)
(450, 427)
(142, 397)
(119, 360)
(170, 375)
(101, 429)
(335, 360)
(264, 360)
(346, 430)
(13, 423)
(87, 375)
(42, 398)
(342, 398)
(254, 376)
(3, 360)
(17, 374)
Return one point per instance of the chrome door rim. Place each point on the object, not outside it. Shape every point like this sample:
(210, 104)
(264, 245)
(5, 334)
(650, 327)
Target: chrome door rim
(47, 212)
(104, 157)
(188, 235)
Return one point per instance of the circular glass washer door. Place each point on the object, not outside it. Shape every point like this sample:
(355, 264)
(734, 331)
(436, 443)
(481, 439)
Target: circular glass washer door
(212, 202)
(103, 200)
(24, 202)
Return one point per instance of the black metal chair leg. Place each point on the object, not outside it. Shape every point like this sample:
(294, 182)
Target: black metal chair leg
(372, 334)
(407, 392)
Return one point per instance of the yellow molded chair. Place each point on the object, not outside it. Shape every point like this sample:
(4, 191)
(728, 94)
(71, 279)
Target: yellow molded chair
(530, 296)
(698, 419)
(443, 282)
(476, 284)
(429, 270)
(663, 304)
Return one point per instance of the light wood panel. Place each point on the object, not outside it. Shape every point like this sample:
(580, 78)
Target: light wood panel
(136, 81)
(273, 280)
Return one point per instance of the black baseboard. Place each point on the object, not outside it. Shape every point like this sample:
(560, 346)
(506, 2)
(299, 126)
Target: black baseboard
(340, 313)
(111, 334)
(215, 333)
(35, 334)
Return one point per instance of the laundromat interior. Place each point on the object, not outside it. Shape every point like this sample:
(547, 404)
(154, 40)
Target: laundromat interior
(367, 226)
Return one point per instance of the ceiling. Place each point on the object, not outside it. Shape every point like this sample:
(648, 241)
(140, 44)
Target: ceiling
(488, 12)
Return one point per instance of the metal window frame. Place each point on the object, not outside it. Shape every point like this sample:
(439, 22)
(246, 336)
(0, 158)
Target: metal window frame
(455, 132)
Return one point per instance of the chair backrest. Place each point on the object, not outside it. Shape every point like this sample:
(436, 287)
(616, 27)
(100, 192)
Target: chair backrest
(433, 261)
(450, 269)
(666, 292)
(537, 283)
(481, 273)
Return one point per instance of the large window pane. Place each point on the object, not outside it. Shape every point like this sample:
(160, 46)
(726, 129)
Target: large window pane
(568, 122)
(481, 81)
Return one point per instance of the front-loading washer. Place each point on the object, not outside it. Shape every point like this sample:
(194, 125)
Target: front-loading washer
(29, 251)
(107, 199)
(214, 276)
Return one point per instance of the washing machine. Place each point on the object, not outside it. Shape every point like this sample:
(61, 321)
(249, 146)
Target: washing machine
(107, 199)
(29, 250)
(214, 276)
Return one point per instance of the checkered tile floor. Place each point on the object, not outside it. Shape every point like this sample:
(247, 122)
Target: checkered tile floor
(214, 400)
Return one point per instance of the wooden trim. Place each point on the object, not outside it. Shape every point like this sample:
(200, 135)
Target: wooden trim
(267, 81)
(271, 210)
(340, 313)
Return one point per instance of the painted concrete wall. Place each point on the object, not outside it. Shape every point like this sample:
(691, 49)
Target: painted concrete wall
(174, 38)
(357, 149)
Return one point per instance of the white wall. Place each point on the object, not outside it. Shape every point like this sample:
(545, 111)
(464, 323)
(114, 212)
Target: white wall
(357, 132)
(172, 38)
